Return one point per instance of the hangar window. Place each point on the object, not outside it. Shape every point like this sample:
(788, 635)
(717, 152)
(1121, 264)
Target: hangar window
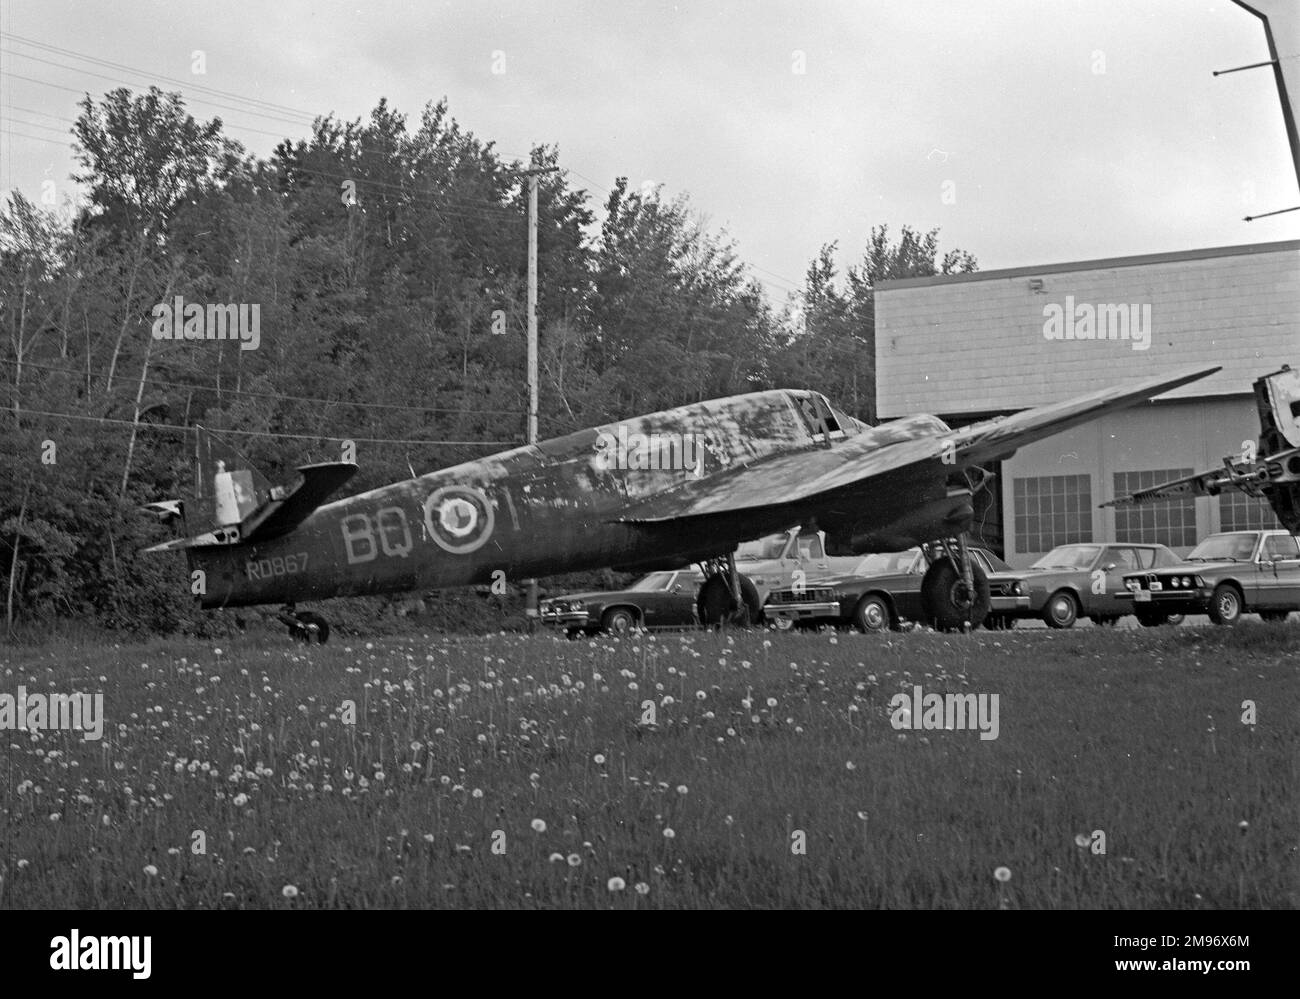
(1170, 522)
(1052, 510)
(1239, 512)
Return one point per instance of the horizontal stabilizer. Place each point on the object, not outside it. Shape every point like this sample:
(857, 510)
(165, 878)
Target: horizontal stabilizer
(282, 513)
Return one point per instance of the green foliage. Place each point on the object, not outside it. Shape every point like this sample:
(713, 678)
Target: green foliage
(381, 257)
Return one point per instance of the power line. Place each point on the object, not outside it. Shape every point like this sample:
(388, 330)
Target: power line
(38, 138)
(230, 95)
(276, 395)
(263, 433)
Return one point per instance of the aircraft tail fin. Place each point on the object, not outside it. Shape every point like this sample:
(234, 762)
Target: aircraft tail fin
(234, 503)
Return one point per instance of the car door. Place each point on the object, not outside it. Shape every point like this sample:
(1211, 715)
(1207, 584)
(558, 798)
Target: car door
(906, 589)
(812, 557)
(1277, 582)
(679, 602)
(1108, 577)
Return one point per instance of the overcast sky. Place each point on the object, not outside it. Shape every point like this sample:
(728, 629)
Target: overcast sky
(1058, 129)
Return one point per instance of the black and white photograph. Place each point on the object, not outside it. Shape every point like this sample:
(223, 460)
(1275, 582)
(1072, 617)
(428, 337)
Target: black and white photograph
(650, 455)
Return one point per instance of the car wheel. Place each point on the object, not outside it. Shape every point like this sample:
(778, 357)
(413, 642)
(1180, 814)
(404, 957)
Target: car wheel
(1225, 605)
(1062, 610)
(872, 614)
(946, 601)
(618, 621)
(1275, 615)
(783, 623)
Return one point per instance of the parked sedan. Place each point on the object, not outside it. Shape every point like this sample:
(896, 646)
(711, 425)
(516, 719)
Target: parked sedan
(660, 599)
(1224, 576)
(1074, 581)
(882, 592)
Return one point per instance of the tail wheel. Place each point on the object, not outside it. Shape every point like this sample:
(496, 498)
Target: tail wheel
(714, 603)
(948, 602)
(1061, 610)
(308, 627)
(872, 614)
(618, 621)
(1226, 604)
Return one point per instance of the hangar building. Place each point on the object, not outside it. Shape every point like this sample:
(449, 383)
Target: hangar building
(970, 346)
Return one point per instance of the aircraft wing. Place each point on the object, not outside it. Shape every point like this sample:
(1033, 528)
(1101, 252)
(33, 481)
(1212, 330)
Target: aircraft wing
(1201, 484)
(817, 471)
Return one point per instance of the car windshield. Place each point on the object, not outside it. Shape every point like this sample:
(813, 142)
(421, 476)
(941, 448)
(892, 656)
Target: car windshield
(995, 563)
(1224, 548)
(883, 563)
(769, 547)
(654, 581)
(1068, 557)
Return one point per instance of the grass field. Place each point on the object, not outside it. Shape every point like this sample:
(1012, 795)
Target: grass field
(509, 771)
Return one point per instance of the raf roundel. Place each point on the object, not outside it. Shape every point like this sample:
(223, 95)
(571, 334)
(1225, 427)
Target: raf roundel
(458, 518)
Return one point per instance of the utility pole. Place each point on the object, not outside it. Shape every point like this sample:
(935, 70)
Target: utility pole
(532, 175)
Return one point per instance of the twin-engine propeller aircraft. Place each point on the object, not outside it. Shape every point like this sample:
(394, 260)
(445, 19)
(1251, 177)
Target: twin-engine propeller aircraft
(1269, 469)
(666, 490)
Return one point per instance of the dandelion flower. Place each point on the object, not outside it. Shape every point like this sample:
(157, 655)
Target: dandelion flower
(574, 860)
(289, 891)
(599, 759)
(668, 833)
(539, 826)
(1002, 873)
(642, 888)
(556, 858)
(150, 870)
(1082, 841)
(616, 884)
(681, 788)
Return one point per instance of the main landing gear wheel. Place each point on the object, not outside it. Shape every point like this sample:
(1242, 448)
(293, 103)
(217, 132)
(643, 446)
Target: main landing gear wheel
(306, 627)
(727, 597)
(949, 602)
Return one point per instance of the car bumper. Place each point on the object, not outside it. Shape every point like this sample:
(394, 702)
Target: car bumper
(1170, 601)
(1009, 604)
(566, 619)
(802, 611)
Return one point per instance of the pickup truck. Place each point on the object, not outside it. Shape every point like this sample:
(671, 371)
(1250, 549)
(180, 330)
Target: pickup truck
(771, 562)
